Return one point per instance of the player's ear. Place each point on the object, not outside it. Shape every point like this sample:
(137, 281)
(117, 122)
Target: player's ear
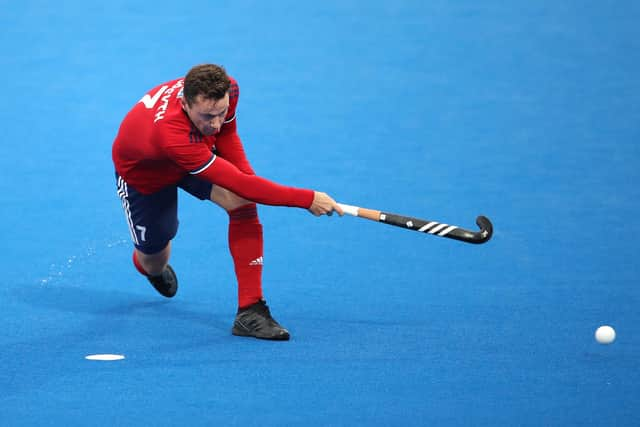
(184, 103)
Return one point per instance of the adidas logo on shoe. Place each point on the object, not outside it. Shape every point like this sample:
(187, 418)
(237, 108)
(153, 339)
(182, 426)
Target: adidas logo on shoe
(257, 261)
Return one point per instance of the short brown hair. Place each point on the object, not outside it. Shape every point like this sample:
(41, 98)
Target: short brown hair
(209, 80)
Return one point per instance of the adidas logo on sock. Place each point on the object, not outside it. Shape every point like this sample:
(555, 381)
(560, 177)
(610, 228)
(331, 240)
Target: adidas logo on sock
(257, 261)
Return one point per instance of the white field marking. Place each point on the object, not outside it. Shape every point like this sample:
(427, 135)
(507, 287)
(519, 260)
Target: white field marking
(105, 357)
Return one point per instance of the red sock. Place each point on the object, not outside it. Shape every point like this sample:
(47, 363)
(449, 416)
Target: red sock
(137, 264)
(245, 244)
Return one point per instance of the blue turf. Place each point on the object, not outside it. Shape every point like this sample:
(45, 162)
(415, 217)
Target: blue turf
(526, 112)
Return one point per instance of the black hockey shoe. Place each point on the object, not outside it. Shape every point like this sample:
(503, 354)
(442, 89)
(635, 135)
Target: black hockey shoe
(256, 321)
(166, 283)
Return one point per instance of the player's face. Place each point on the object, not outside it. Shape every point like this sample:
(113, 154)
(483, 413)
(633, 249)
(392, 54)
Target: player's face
(207, 114)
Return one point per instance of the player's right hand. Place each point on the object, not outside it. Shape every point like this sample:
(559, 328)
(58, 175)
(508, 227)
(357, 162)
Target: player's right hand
(323, 204)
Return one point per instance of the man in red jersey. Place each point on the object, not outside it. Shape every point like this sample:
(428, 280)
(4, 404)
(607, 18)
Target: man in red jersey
(183, 134)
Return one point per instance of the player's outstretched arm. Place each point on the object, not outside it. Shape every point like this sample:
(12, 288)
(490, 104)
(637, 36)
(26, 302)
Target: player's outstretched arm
(255, 188)
(323, 204)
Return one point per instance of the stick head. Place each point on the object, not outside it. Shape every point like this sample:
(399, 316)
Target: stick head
(486, 229)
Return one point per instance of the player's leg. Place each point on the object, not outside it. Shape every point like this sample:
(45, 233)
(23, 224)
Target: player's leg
(153, 223)
(152, 264)
(245, 236)
(246, 247)
(245, 243)
(159, 273)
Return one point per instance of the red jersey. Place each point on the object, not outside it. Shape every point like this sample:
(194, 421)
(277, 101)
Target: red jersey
(157, 145)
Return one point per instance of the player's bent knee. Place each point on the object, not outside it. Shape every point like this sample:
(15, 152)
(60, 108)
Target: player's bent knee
(226, 199)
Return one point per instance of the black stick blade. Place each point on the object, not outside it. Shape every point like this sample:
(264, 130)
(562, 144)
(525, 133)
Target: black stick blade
(486, 228)
(442, 230)
(475, 237)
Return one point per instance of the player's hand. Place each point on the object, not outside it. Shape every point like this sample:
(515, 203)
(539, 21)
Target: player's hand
(323, 204)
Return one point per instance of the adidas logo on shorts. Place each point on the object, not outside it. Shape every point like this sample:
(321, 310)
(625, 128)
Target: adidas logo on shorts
(257, 261)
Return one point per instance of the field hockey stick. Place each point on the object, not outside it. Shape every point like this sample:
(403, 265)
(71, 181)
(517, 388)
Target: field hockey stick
(425, 226)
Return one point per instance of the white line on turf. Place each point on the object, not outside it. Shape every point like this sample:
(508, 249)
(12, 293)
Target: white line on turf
(105, 357)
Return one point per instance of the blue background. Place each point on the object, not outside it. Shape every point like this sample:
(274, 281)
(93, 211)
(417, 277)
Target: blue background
(524, 111)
